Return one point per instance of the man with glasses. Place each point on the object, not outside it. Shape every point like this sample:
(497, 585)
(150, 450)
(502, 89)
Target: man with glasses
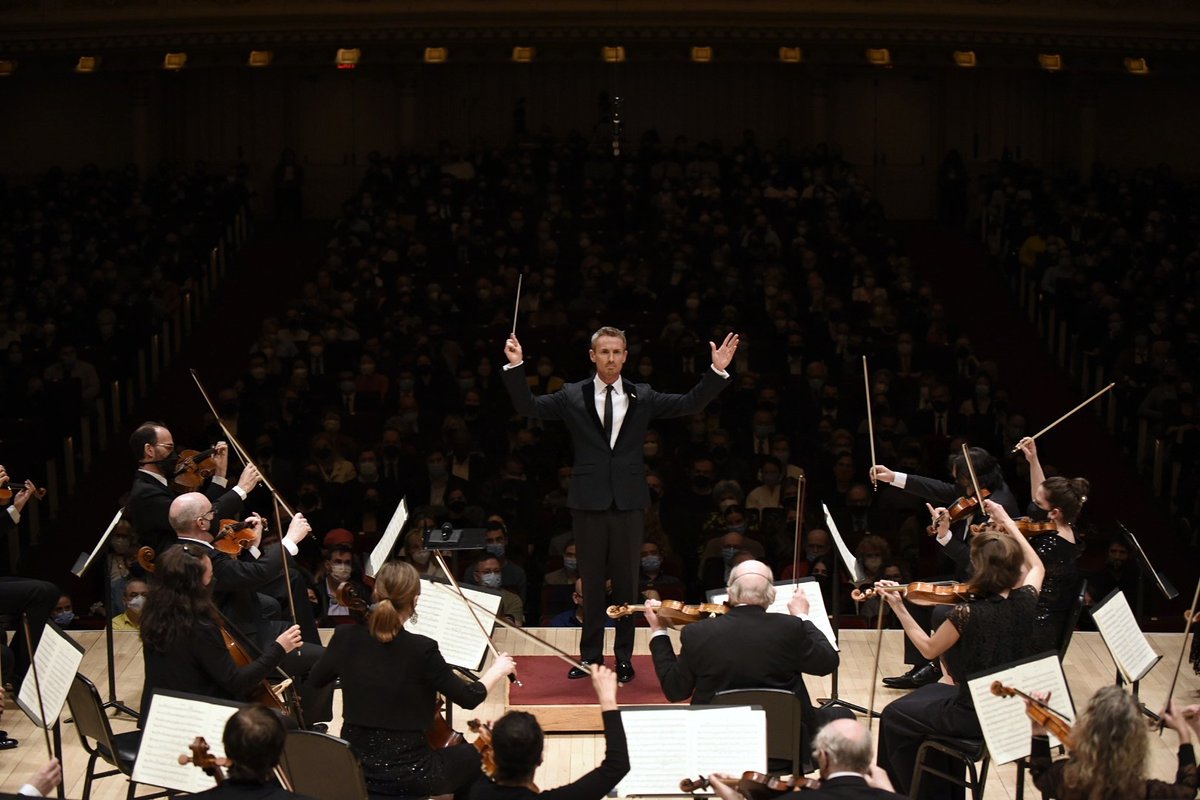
(149, 503)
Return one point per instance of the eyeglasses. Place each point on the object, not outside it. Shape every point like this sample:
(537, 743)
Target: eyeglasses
(168, 445)
(209, 516)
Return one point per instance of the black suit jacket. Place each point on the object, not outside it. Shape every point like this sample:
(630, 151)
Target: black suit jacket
(235, 588)
(843, 787)
(248, 790)
(745, 648)
(149, 505)
(958, 549)
(604, 476)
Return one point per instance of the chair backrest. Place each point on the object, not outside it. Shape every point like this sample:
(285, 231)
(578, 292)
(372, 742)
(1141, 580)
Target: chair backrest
(1072, 620)
(785, 724)
(323, 767)
(87, 709)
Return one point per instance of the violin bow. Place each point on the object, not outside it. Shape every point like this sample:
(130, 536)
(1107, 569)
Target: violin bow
(1069, 413)
(517, 304)
(560, 653)
(870, 424)
(37, 685)
(875, 667)
(966, 451)
(1187, 628)
(491, 645)
(801, 491)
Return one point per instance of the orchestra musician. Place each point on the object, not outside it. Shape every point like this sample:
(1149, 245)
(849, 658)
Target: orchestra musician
(19, 596)
(253, 739)
(607, 419)
(989, 630)
(390, 680)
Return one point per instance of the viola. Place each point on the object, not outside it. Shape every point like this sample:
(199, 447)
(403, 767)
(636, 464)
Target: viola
(192, 469)
(1039, 712)
(7, 492)
(755, 785)
(264, 694)
(673, 611)
(205, 760)
(922, 593)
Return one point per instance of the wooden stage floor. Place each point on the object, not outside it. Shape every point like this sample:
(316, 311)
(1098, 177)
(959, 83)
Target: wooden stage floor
(567, 756)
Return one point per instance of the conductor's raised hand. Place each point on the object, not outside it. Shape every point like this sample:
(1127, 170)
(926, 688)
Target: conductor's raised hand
(722, 356)
(512, 349)
(604, 681)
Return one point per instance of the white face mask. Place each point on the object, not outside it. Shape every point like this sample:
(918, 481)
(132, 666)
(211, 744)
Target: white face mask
(340, 572)
(136, 603)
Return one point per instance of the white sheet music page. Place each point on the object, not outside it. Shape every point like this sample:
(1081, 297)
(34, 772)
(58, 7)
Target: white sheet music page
(1007, 729)
(387, 542)
(784, 590)
(174, 721)
(58, 658)
(847, 556)
(1119, 629)
(445, 618)
(704, 739)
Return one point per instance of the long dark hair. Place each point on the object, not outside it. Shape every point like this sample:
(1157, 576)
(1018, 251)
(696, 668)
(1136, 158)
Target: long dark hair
(178, 598)
(987, 469)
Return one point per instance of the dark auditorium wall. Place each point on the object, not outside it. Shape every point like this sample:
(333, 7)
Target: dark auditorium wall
(896, 124)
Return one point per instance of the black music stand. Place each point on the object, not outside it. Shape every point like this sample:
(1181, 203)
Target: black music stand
(1165, 586)
(835, 575)
(452, 540)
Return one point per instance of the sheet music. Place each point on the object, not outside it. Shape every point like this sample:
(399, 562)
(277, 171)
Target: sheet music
(1007, 729)
(174, 721)
(704, 739)
(445, 618)
(847, 557)
(784, 590)
(387, 543)
(85, 559)
(58, 658)
(1125, 640)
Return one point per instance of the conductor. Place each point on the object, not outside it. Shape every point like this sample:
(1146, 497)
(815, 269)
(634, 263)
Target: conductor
(607, 418)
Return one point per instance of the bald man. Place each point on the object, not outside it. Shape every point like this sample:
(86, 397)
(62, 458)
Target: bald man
(746, 648)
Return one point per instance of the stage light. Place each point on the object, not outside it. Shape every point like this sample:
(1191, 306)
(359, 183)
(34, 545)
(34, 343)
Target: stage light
(879, 57)
(965, 59)
(174, 61)
(702, 55)
(613, 55)
(436, 55)
(1137, 66)
(347, 57)
(791, 55)
(523, 55)
(260, 58)
(1051, 62)
(7, 67)
(87, 64)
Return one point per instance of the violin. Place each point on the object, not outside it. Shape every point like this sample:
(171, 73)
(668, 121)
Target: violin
(192, 469)
(205, 760)
(922, 593)
(1054, 722)
(483, 743)
(7, 492)
(755, 785)
(1028, 527)
(965, 506)
(233, 537)
(673, 611)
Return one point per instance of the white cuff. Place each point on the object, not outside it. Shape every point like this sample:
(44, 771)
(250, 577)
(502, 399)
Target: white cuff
(289, 545)
(507, 367)
(720, 372)
(900, 480)
(220, 481)
(240, 491)
(802, 616)
(15, 514)
(943, 539)
(663, 632)
(29, 790)
(254, 551)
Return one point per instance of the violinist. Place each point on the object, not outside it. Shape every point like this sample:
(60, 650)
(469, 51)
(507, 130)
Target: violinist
(989, 630)
(182, 644)
(746, 648)
(23, 595)
(842, 750)
(1111, 749)
(253, 740)
(149, 503)
(390, 680)
(238, 585)
(1058, 500)
(517, 752)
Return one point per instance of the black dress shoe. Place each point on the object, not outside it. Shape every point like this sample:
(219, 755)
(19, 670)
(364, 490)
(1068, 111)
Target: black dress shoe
(625, 672)
(575, 673)
(5, 742)
(915, 677)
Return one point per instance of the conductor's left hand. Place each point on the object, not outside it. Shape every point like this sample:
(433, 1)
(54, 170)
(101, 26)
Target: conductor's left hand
(722, 356)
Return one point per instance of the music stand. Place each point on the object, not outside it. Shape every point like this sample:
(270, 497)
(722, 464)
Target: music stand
(82, 564)
(1164, 585)
(452, 540)
(840, 552)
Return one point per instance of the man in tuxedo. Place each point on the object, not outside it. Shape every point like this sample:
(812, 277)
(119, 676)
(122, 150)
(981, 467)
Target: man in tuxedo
(253, 739)
(19, 596)
(149, 503)
(607, 418)
(747, 648)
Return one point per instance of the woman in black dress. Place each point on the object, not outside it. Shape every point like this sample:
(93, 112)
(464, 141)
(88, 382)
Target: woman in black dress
(390, 681)
(990, 630)
(182, 645)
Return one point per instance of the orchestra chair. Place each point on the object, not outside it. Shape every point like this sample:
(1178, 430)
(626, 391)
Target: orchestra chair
(785, 726)
(963, 750)
(322, 766)
(117, 749)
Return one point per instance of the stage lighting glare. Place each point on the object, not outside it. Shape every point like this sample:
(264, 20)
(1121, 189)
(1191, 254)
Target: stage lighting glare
(523, 55)
(347, 57)
(174, 61)
(791, 55)
(7, 67)
(879, 56)
(1137, 66)
(436, 55)
(1051, 62)
(613, 54)
(965, 58)
(260, 58)
(702, 55)
(87, 64)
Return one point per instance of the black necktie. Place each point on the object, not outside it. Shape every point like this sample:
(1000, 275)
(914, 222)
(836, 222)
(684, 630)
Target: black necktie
(608, 414)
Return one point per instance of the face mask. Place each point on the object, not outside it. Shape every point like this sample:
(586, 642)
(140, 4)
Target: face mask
(655, 496)
(437, 471)
(368, 471)
(333, 425)
(347, 387)
(340, 572)
(120, 544)
(421, 557)
(458, 506)
(168, 464)
(940, 406)
(324, 453)
(982, 390)
(496, 549)
(736, 528)
(727, 554)
(812, 555)
(258, 373)
(650, 450)
(64, 619)
(763, 431)
(136, 603)
(873, 563)
(570, 564)
(771, 478)
(651, 563)
(391, 451)
(490, 580)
